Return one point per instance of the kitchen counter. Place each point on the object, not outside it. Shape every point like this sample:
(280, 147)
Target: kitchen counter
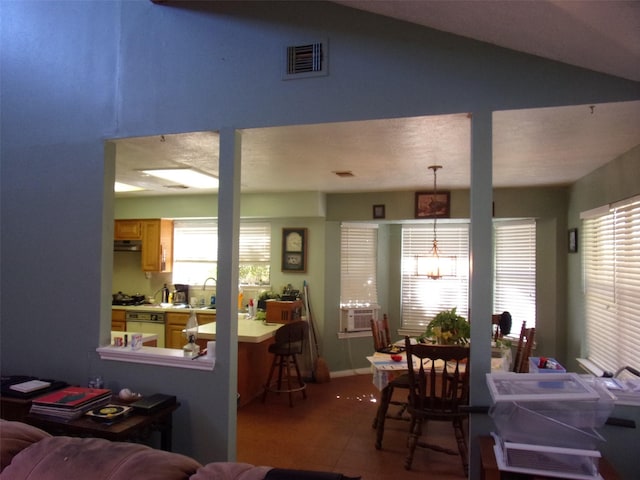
(249, 331)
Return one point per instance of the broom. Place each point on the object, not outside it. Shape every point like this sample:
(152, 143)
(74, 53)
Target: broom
(320, 368)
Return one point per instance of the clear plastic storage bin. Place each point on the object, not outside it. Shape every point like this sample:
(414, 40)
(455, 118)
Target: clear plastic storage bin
(549, 426)
(547, 461)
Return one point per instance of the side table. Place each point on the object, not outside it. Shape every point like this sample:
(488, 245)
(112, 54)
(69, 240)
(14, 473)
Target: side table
(134, 427)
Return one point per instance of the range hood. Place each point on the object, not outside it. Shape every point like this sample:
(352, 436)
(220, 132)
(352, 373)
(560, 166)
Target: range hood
(127, 245)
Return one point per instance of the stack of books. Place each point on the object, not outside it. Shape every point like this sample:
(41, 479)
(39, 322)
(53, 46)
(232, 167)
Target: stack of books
(70, 402)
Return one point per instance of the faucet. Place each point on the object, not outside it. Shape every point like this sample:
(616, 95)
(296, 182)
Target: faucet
(205, 282)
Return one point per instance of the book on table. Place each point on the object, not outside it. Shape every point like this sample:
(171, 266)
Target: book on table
(70, 402)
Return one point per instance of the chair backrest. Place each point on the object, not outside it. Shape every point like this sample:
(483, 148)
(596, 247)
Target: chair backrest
(438, 378)
(523, 349)
(380, 332)
(291, 336)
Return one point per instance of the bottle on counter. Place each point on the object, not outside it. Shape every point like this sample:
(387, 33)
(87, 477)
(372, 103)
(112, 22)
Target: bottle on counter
(165, 294)
(240, 298)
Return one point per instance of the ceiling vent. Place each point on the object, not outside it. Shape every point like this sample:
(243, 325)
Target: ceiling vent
(306, 60)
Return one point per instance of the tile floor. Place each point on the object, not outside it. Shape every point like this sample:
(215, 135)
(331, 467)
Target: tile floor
(331, 431)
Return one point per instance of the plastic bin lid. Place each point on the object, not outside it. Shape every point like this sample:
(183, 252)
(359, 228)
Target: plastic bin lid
(518, 387)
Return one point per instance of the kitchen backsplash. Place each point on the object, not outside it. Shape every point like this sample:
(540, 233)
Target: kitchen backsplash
(128, 278)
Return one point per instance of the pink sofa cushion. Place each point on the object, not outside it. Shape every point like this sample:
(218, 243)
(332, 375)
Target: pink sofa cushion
(15, 437)
(63, 458)
(230, 471)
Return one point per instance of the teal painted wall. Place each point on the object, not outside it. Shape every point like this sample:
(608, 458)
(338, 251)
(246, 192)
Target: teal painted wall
(75, 74)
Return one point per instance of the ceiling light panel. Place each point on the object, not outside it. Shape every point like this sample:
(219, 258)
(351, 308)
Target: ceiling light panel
(185, 176)
(120, 187)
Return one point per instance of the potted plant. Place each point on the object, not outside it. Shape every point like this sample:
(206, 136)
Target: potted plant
(448, 328)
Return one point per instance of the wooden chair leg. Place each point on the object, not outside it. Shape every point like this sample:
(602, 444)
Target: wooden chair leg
(412, 441)
(299, 375)
(267, 385)
(461, 438)
(385, 398)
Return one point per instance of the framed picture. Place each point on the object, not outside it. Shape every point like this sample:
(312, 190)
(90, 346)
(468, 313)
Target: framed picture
(573, 240)
(294, 250)
(378, 211)
(432, 205)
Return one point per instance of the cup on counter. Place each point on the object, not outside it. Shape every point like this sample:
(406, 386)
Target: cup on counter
(194, 301)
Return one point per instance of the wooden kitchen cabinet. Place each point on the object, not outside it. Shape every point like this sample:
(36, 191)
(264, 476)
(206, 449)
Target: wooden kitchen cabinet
(127, 230)
(118, 322)
(157, 245)
(157, 241)
(176, 322)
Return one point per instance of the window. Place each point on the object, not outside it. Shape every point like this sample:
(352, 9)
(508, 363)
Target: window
(514, 283)
(359, 253)
(514, 272)
(195, 252)
(422, 297)
(611, 263)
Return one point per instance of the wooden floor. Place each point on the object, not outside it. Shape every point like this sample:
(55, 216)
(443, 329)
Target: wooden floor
(331, 431)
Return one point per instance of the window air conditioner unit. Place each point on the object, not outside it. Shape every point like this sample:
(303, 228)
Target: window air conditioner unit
(357, 319)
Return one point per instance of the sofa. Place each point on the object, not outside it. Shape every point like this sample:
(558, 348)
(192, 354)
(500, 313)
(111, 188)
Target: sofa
(28, 453)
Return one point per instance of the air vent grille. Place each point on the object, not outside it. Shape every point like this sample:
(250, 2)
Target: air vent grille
(309, 59)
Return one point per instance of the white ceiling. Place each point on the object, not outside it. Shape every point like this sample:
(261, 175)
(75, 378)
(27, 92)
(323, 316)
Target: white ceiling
(601, 35)
(541, 147)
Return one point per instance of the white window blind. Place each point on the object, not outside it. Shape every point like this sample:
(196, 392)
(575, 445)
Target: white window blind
(358, 265)
(195, 251)
(255, 253)
(422, 297)
(611, 263)
(514, 288)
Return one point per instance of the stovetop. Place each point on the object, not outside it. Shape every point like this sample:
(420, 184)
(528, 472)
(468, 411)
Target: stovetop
(128, 302)
(125, 299)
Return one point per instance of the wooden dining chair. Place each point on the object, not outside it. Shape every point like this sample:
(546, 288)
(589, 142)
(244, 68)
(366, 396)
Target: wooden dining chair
(438, 391)
(380, 333)
(382, 340)
(523, 349)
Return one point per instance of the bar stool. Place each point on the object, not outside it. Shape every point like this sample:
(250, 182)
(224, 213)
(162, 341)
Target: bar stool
(289, 342)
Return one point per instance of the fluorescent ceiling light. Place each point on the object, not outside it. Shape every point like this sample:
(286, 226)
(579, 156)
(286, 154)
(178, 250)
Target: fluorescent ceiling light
(123, 187)
(185, 176)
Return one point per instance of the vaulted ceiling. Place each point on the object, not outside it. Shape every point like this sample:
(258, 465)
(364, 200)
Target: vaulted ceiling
(552, 146)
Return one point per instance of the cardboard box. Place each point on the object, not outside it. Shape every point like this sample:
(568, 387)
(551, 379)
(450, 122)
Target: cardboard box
(283, 312)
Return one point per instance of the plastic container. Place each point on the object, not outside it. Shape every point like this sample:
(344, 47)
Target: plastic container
(534, 363)
(548, 427)
(572, 401)
(547, 460)
(540, 425)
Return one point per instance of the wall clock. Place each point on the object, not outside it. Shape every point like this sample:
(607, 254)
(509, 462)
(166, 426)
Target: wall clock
(294, 250)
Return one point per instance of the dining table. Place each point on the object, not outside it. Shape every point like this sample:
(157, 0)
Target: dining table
(384, 369)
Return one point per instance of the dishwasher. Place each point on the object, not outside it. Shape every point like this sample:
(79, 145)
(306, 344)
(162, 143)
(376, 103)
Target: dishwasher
(146, 322)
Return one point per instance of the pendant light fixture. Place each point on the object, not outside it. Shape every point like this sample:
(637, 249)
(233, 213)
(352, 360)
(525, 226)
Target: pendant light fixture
(435, 265)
